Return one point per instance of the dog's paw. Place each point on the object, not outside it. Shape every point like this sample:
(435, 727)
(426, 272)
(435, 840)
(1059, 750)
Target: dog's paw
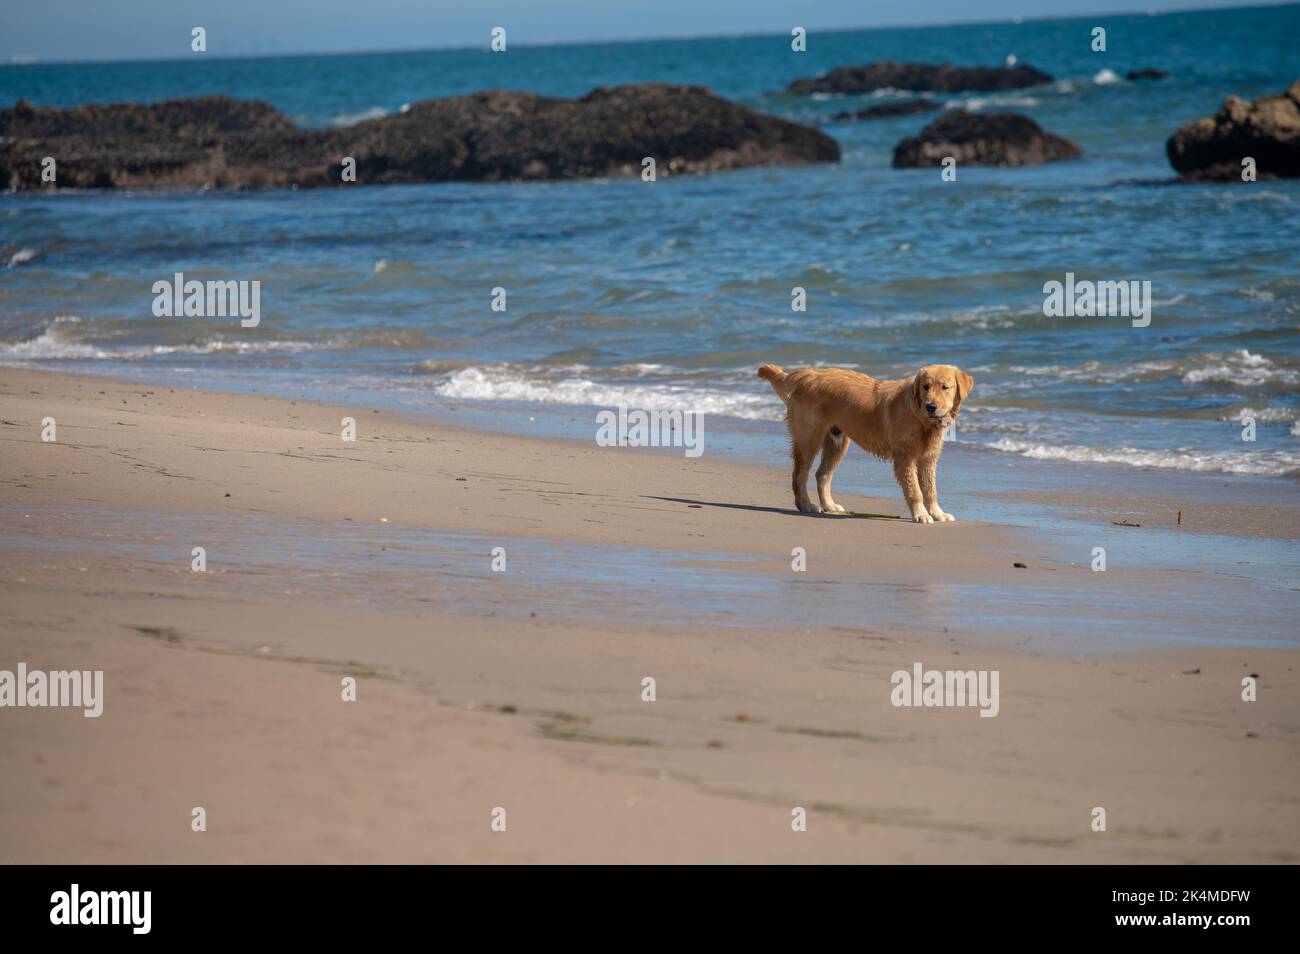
(807, 506)
(922, 518)
(834, 508)
(941, 517)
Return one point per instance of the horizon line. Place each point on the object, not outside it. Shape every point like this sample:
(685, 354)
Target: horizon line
(1015, 21)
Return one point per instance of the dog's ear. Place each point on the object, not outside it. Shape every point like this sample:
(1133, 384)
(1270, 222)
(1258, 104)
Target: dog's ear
(916, 388)
(963, 386)
(964, 383)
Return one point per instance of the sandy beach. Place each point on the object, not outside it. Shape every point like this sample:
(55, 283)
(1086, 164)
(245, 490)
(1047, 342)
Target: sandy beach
(523, 689)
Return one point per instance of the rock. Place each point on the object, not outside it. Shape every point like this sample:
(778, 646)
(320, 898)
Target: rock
(218, 142)
(907, 107)
(983, 139)
(1267, 130)
(924, 77)
(1146, 74)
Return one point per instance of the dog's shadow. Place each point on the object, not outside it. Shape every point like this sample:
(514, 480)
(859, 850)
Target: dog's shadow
(784, 511)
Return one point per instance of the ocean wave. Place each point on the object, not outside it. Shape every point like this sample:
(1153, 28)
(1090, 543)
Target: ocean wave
(22, 257)
(1253, 463)
(238, 347)
(980, 102)
(1269, 414)
(1005, 419)
(503, 383)
(1103, 77)
(1227, 199)
(1258, 294)
(1094, 372)
(351, 119)
(60, 342)
(1241, 368)
(48, 345)
(883, 92)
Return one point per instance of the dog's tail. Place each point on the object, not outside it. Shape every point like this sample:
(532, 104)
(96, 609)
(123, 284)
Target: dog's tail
(773, 375)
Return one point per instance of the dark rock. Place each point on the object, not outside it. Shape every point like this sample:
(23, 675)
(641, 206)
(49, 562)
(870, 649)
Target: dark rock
(217, 142)
(924, 77)
(983, 139)
(1267, 130)
(1147, 74)
(907, 107)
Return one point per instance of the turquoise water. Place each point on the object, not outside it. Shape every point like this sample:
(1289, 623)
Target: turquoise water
(668, 294)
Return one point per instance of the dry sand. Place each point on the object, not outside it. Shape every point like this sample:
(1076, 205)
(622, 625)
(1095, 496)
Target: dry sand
(523, 690)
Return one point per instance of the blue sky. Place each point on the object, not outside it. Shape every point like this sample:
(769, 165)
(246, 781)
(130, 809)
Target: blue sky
(150, 29)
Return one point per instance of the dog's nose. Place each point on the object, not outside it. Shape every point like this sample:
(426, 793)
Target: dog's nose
(932, 408)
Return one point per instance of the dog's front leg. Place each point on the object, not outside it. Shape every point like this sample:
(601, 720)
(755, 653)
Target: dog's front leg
(925, 471)
(905, 471)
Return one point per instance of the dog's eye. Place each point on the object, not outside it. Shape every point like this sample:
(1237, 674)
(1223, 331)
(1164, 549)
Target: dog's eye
(945, 387)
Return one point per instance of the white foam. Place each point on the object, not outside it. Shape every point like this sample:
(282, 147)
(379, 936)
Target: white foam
(48, 345)
(56, 343)
(236, 347)
(1267, 414)
(1240, 367)
(351, 119)
(1259, 463)
(979, 102)
(501, 383)
(1092, 372)
(1105, 77)
(22, 257)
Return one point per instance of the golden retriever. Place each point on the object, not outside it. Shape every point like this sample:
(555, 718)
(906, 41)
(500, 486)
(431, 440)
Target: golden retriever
(902, 421)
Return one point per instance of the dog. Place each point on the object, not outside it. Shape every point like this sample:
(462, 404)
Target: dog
(901, 421)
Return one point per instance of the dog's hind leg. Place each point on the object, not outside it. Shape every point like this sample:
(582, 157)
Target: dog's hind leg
(803, 448)
(833, 448)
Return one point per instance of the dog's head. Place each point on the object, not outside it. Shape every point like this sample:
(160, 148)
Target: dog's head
(938, 390)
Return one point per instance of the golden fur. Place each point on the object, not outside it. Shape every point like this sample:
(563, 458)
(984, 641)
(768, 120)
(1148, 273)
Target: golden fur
(902, 421)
